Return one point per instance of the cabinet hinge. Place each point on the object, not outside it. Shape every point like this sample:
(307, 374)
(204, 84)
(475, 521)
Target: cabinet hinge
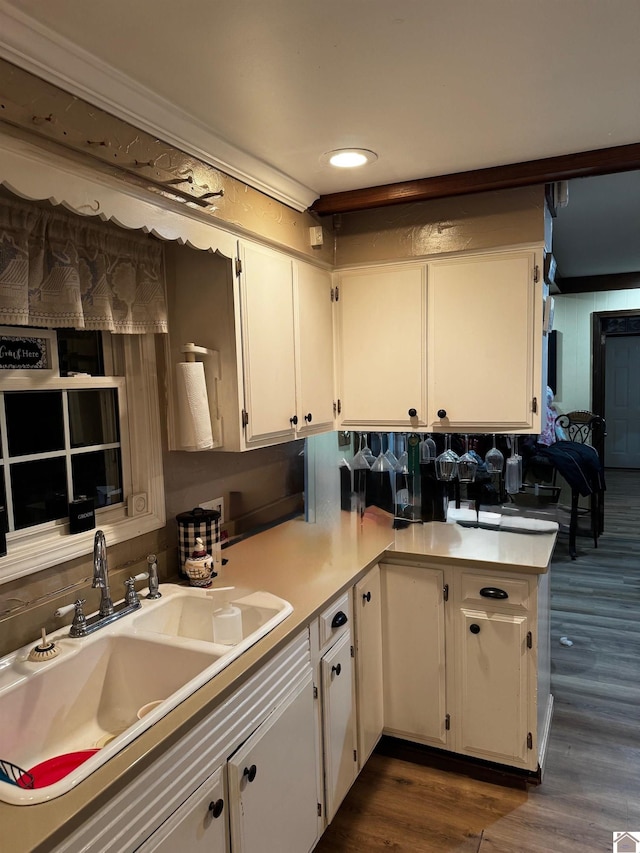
(536, 274)
(534, 405)
(337, 408)
(353, 654)
(355, 755)
(447, 722)
(445, 592)
(335, 294)
(319, 810)
(315, 692)
(529, 640)
(529, 740)
(245, 418)
(238, 266)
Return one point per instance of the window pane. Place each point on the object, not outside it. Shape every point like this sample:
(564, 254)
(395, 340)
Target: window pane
(93, 417)
(34, 422)
(80, 352)
(98, 475)
(39, 491)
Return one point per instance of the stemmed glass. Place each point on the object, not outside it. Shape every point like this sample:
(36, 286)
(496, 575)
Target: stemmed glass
(428, 450)
(494, 459)
(363, 459)
(359, 465)
(382, 461)
(447, 463)
(467, 465)
(366, 450)
(513, 469)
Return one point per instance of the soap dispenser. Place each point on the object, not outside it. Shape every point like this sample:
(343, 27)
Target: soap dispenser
(227, 625)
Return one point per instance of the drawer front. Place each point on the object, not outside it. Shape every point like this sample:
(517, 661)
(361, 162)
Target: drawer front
(335, 620)
(494, 591)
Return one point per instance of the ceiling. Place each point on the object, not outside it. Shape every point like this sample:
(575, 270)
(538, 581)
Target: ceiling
(263, 88)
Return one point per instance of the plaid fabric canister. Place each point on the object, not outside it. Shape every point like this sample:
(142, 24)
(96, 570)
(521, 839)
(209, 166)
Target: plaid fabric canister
(204, 523)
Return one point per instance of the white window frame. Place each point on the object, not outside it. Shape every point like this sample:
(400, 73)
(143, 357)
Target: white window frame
(30, 550)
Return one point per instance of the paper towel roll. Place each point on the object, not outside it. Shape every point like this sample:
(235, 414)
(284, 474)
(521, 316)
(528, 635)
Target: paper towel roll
(193, 407)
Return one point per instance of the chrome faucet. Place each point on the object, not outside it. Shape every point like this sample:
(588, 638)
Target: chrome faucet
(107, 613)
(101, 574)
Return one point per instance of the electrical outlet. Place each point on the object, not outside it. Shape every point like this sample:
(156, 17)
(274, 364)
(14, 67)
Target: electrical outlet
(216, 503)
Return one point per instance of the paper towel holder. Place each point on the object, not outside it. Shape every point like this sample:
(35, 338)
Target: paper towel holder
(211, 360)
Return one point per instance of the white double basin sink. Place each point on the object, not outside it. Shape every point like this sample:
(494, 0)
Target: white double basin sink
(103, 690)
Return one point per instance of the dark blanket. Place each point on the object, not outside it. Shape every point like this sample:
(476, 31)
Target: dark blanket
(578, 463)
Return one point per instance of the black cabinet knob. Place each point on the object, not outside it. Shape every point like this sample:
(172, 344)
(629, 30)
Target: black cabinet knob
(339, 619)
(294, 420)
(250, 772)
(475, 629)
(216, 807)
(366, 596)
(308, 418)
(442, 413)
(493, 592)
(412, 413)
(337, 669)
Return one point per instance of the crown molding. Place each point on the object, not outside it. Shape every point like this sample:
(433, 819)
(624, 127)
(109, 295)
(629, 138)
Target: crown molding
(39, 50)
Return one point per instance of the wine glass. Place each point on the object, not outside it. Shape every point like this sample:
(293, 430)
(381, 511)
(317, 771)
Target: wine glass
(447, 463)
(366, 450)
(382, 462)
(467, 465)
(428, 450)
(360, 461)
(513, 469)
(494, 459)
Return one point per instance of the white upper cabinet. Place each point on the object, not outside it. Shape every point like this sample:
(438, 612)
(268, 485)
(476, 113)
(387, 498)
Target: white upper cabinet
(381, 343)
(266, 299)
(314, 348)
(485, 343)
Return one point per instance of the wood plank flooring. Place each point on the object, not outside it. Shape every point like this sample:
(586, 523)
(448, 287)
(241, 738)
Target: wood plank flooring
(591, 786)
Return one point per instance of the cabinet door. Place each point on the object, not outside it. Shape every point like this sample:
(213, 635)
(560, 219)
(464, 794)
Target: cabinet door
(198, 826)
(413, 631)
(339, 723)
(314, 349)
(381, 315)
(369, 691)
(268, 344)
(272, 781)
(485, 343)
(491, 719)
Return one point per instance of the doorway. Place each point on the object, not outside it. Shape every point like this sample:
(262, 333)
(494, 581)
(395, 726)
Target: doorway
(616, 391)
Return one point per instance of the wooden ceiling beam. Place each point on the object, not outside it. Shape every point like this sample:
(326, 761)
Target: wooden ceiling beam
(596, 283)
(602, 161)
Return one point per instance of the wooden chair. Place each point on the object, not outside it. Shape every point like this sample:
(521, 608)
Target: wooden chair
(585, 427)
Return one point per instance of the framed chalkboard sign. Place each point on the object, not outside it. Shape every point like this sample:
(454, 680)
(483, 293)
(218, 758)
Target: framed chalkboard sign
(27, 350)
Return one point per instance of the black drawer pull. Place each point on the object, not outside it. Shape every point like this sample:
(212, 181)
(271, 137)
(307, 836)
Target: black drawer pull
(366, 596)
(337, 669)
(493, 592)
(308, 418)
(475, 629)
(339, 619)
(216, 808)
(412, 413)
(442, 413)
(294, 420)
(250, 772)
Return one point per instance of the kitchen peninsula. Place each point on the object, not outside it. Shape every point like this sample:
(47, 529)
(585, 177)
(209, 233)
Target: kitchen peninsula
(441, 571)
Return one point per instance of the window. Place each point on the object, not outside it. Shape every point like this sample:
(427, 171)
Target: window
(84, 424)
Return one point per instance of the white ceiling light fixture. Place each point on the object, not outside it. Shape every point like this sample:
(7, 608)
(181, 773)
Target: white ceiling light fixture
(349, 158)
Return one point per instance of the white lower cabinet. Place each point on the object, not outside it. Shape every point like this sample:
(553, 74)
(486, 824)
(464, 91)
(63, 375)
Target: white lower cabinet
(464, 669)
(493, 685)
(200, 825)
(333, 652)
(367, 610)
(272, 781)
(413, 637)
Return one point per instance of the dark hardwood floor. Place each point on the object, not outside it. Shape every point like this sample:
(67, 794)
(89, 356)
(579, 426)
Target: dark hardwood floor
(591, 786)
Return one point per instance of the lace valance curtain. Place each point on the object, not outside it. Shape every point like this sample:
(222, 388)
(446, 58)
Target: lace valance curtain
(59, 270)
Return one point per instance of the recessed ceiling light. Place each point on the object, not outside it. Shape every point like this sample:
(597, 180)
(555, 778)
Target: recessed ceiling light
(349, 158)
